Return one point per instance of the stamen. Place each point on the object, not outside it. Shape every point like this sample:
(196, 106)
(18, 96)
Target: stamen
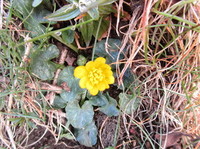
(95, 76)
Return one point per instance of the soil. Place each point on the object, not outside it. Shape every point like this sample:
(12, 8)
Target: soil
(106, 127)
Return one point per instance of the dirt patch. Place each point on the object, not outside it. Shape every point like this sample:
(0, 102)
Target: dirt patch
(48, 141)
(107, 126)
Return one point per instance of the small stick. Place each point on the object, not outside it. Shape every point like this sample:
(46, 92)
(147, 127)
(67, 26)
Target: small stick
(61, 61)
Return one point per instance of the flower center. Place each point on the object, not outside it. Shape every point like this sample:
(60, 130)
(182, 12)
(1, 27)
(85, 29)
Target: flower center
(95, 76)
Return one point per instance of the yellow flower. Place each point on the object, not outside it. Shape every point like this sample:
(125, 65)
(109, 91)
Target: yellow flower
(95, 75)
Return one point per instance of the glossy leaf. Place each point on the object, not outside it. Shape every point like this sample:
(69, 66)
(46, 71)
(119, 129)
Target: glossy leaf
(67, 76)
(98, 100)
(110, 109)
(41, 65)
(128, 103)
(113, 46)
(59, 102)
(79, 117)
(81, 60)
(68, 36)
(88, 135)
(128, 78)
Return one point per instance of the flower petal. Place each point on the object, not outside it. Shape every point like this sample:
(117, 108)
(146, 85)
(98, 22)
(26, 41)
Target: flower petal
(94, 91)
(102, 86)
(90, 65)
(107, 86)
(105, 67)
(108, 73)
(100, 60)
(83, 82)
(111, 80)
(80, 72)
(89, 85)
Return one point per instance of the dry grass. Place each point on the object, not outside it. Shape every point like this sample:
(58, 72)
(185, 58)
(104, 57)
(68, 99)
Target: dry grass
(165, 55)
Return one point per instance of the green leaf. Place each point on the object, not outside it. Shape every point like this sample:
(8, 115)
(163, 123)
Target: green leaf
(67, 76)
(128, 79)
(59, 102)
(86, 30)
(98, 100)
(103, 27)
(110, 147)
(128, 103)
(72, 95)
(88, 135)
(72, 1)
(23, 6)
(81, 60)
(94, 13)
(105, 2)
(68, 36)
(110, 109)
(36, 3)
(40, 64)
(32, 19)
(106, 10)
(68, 136)
(66, 12)
(17, 121)
(79, 117)
(113, 46)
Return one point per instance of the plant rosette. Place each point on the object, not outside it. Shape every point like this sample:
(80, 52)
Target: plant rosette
(95, 76)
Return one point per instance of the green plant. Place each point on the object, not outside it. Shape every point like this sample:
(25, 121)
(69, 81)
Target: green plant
(85, 10)
(79, 104)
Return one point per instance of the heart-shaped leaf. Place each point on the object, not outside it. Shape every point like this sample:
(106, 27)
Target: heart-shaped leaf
(128, 103)
(67, 76)
(110, 109)
(81, 60)
(59, 102)
(128, 79)
(41, 65)
(98, 100)
(113, 46)
(68, 36)
(88, 135)
(79, 117)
